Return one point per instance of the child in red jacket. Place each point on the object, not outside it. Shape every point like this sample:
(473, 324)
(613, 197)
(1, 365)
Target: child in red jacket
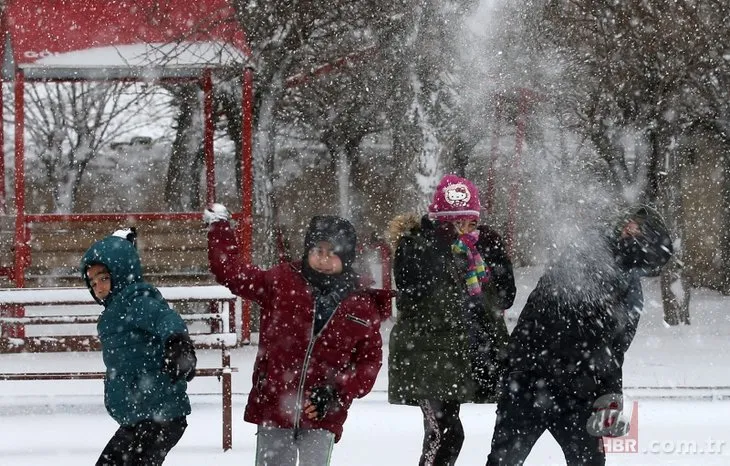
(319, 341)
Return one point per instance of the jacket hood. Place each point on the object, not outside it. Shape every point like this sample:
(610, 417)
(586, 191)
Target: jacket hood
(402, 225)
(336, 230)
(120, 257)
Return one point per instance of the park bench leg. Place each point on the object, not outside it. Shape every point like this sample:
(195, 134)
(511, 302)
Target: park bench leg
(227, 393)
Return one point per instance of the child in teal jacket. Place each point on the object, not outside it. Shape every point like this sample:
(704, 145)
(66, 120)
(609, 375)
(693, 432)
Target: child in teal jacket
(148, 355)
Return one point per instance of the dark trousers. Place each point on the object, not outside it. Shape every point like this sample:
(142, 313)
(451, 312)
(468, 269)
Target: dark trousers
(143, 444)
(527, 408)
(444, 433)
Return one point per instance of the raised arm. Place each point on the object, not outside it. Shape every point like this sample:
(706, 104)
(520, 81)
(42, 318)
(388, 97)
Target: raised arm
(224, 258)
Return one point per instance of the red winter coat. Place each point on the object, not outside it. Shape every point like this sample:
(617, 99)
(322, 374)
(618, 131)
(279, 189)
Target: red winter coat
(347, 354)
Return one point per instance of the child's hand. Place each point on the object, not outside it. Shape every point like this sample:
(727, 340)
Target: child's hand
(216, 213)
(465, 226)
(309, 409)
(179, 360)
(319, 401)
(443, 232)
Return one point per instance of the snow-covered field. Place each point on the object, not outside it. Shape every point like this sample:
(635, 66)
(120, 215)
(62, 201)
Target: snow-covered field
(680, 378)
(66, 431)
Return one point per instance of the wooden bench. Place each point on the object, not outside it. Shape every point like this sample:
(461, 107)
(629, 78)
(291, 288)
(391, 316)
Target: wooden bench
(173, 252)
(213, 328)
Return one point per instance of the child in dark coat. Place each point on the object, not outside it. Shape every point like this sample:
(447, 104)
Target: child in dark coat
(448, 345)
(147, 352)
(567, 350)
(319, 340)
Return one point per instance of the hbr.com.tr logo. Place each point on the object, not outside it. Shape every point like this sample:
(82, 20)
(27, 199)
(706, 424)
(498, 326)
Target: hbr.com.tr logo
(629, 443)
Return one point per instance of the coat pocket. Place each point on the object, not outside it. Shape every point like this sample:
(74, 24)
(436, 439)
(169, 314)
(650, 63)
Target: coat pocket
(357, 320)
(260, 374)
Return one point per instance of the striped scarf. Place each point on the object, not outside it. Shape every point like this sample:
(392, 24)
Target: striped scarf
(476, 273)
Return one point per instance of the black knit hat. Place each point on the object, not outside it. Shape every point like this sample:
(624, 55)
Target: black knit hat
(335, 230)
(650, 247)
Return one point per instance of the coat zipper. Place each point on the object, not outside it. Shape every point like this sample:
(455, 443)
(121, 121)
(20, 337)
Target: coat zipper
(305, 366)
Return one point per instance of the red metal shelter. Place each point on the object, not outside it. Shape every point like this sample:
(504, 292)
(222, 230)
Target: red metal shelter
(132, 40)
(144, 40)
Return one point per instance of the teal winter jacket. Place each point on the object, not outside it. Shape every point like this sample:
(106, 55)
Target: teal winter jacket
(133, 327)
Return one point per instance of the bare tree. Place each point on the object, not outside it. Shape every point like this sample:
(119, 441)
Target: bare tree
(68, 125)
(645, 72)
(428, 113)
(287, 39)
(182, 183)
(339, 110)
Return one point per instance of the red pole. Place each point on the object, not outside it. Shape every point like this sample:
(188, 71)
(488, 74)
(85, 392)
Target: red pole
(21, 245)
(227, 394)
(245, 322)
(208, 133)
(245, 226)
(516, 162)
(493, 153)
(3, 200)
(22, 251)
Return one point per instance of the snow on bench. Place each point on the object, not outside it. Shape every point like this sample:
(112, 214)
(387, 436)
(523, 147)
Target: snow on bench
(219, 333)
(40, 296)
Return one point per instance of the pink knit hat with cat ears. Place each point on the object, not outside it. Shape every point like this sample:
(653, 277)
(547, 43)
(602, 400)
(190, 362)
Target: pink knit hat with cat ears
(455, 198)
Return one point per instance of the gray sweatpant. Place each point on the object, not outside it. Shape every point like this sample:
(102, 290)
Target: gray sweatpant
(280, 447)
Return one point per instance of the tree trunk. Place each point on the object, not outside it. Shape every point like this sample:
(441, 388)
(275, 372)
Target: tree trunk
(428, 165)
(674, 286)
(65, 188)
(675, 294)
(456, 155)
(405, 147)
(182, 185)
(343, 184)
(264, 157)
(725, 216)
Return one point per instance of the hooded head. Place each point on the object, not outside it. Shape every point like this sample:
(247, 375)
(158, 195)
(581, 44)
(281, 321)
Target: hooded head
(455, 198)
(338, 232)
(121, 259)
(642, 240)
(341, 235)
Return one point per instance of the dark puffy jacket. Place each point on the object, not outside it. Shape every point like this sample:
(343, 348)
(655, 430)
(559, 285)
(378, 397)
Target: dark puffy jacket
(133, 328)
(346, 355)
(578, 322)
(446, 345)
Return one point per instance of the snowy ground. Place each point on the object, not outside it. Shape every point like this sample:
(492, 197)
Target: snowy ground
(71, 431)
(678, 376)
